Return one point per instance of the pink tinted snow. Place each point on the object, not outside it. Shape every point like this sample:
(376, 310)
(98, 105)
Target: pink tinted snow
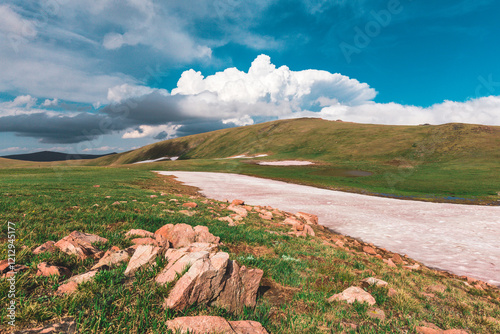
(462, 239)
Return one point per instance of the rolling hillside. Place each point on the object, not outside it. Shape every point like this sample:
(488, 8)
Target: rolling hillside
(329, 141)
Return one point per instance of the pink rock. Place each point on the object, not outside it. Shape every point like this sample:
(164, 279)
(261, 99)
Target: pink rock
(226, 219)
(46, 247)
(416, 266)
(247, 327)
(237, 202)
(96, 186)
(111, 258)
(369, 250)
(308, 229)
(153, 196)
(190, 205)
(239, 210)
(203, 235)
(352, 294)
(177, 265)
(373, 281)
(266, 216)
(145, 241)
(143, 256)
(389, 263)
(200, 325)
(67, 288)
(240, 288)
(67, 325)
(292, 221)
(376, 313)
(71, 285)
(45, 269)
(309, 218)
(428, 330)
(80, 244)
(139, 233)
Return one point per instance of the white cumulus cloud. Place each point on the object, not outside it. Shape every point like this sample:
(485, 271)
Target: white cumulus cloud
(265, 82)
(167, 131)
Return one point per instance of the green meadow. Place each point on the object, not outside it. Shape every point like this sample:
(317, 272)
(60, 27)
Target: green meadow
(299, 273)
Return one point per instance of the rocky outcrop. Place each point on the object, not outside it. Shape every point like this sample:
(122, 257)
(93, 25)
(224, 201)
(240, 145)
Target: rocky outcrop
(214, 325)
(211, 278)
(352, 294)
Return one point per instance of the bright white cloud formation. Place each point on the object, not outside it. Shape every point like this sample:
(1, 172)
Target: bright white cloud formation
(13, 25)
(264, 82)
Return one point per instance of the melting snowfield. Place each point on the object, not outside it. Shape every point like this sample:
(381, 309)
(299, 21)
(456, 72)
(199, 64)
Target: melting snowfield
(286, 163)
(462, 239)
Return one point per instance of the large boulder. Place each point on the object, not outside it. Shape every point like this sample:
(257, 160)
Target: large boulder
(211, 279)
(214, 325)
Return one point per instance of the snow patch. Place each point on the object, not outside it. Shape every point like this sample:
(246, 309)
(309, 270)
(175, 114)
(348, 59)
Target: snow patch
(286, 163)
(155, 160)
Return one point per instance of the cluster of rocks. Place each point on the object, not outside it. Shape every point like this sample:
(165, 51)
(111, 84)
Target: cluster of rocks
(201, 274)
(300, 222)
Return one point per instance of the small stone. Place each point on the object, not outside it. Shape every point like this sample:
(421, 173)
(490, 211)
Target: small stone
(369, 250)
(46, 247)
(45, 269)
(237, 202)
(397, 259)
(116, 203)
(226, 219)
(67, 326)
(153, 196)
(391, 292)
(376, 313)
(373, 281)
(309, 218)
(139, 233)
(190, 205)
(416, 266)
(390, 263)
(352, 294)
(239, 210)
(187, 213)
(267, 216)
(96, 186)
(111, 258)
(437, 288)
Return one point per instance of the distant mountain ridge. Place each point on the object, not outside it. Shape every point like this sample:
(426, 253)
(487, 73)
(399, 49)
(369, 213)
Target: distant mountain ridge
(47, 156)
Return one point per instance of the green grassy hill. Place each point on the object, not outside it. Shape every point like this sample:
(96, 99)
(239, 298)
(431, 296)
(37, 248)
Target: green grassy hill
(450, 162)
(312, 138)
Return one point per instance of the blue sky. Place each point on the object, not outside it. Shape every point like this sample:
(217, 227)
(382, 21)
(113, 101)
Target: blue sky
(103, 75)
